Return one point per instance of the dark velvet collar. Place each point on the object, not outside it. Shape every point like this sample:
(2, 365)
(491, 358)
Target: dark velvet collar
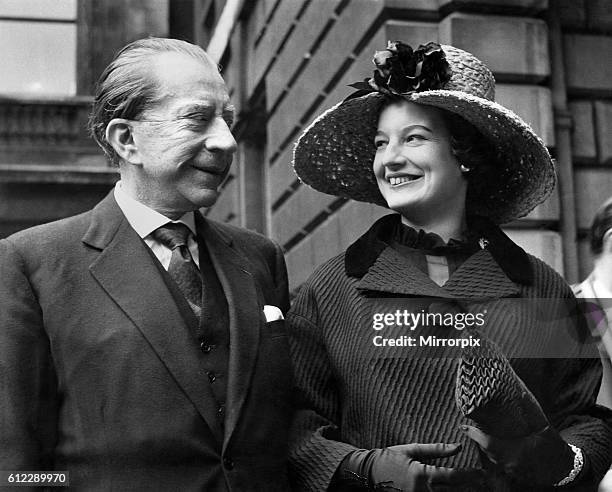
(512, 259)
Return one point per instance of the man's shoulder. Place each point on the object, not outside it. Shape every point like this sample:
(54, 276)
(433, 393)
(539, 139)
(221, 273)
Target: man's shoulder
(51, 234)
(245, 238)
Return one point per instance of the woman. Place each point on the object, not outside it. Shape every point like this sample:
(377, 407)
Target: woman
(425, 138)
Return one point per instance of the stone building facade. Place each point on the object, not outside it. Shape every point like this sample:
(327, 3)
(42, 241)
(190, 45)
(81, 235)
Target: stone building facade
(49, 167)
(288, 61)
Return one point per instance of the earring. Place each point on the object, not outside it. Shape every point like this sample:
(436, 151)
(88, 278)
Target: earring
(464, 168)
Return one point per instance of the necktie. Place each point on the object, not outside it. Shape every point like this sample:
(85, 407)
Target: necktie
(182, 268)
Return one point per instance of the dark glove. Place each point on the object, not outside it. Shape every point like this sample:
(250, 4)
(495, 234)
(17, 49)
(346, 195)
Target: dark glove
(542, 458)
(398, 468)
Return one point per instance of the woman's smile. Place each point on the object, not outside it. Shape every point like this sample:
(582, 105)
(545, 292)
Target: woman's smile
(398, 181)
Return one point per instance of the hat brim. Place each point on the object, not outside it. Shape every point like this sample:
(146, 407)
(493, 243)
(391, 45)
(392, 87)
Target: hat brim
(335, 153)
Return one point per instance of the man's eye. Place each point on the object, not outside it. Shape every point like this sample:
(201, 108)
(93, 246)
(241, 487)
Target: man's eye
(197, 117)
(414, 137)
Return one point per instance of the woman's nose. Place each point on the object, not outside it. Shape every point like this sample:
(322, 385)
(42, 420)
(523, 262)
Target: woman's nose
(392, 156)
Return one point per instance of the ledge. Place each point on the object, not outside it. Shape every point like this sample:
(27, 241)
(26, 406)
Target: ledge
(26, 100)
(46, 174)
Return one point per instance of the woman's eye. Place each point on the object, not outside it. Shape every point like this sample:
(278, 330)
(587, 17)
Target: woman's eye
(414, 137)
(379, 143)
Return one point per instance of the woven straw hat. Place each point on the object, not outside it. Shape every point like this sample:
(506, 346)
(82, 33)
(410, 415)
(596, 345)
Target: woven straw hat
(335, 153)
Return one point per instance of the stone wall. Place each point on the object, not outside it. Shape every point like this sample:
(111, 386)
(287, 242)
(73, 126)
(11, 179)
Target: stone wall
(587, 44)
(298, 56)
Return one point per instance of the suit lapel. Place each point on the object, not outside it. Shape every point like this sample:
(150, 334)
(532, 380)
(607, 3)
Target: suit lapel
(130, 276)
(393, 273)
(244, 307)
(479, 277)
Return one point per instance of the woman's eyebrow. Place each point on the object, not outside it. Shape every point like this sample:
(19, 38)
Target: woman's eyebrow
(407, 128)
(416, 127)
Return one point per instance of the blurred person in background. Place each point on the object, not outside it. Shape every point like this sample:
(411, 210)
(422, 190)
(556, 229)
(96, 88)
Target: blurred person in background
(596, 289)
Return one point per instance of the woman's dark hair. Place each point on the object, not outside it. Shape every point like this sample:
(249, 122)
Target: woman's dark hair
(476, 152)
(128, 86)
(602, 223)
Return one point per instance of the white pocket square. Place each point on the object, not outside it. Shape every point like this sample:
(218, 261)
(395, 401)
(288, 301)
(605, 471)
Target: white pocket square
(272, 313)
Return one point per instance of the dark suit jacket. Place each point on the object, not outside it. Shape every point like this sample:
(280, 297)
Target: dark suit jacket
(102, 376)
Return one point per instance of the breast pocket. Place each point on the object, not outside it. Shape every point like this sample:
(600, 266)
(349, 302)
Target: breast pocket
(274, 329)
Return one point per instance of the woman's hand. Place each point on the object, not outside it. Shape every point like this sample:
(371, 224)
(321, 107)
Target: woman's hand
(401, 468)
(542, 458)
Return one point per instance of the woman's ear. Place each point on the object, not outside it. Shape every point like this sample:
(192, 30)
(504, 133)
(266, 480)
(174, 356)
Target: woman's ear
(119, 133)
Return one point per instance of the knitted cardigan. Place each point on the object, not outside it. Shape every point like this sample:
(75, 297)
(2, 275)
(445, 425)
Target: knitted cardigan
(353, 397)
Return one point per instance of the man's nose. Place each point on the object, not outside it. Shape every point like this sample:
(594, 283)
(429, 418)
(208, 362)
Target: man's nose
(220, 138)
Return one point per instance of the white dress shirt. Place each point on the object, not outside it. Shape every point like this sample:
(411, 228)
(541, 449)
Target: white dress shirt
(145, 220)
(601, 291)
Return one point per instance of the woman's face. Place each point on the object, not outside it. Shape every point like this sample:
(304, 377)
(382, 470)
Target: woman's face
(416, 172)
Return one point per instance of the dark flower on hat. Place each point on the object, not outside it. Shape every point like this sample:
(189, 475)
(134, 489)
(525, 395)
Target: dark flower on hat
(402, 71)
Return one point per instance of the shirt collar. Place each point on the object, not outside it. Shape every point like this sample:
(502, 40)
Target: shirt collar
(144, 220)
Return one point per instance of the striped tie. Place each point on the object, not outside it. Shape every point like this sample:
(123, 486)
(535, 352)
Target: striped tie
(182, 268)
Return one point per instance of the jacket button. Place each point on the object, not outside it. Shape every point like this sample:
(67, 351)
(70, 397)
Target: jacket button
(228, 464)
(212, 377)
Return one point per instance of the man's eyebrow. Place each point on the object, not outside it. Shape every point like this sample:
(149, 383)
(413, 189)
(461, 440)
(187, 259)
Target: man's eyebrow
(195, 107)
(204, 107)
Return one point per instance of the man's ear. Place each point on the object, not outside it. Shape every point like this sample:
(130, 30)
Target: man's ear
(119, 135)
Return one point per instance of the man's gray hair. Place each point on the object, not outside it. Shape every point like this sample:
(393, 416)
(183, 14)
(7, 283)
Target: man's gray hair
(127, 86)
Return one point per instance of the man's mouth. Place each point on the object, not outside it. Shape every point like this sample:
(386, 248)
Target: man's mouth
(221, 173)
(404, 179)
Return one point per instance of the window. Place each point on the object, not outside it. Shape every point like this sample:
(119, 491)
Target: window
(38, 56)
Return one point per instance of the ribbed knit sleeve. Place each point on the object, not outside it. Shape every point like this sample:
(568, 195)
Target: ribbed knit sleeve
(315, 452)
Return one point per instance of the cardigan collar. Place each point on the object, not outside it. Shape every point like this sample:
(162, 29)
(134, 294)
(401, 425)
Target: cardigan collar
(496, 269)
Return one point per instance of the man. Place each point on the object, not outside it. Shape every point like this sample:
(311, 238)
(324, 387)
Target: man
(135, 350)
(597, 292)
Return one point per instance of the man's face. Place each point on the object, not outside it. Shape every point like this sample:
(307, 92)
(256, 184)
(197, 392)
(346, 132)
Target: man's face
(184, 142)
